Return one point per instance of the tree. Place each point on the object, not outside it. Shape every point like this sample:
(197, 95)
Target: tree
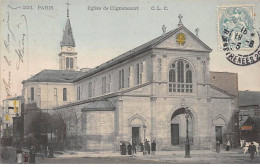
(73, 120)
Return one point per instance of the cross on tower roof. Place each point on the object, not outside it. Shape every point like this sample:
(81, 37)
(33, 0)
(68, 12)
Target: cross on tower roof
(67, 8)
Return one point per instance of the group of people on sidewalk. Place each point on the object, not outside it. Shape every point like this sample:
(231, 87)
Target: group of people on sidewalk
(131, 149)
(252, 150)
(27, 158)
(218, 146)
(31, 157)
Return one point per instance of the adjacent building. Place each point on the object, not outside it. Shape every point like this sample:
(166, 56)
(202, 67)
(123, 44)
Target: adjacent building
(249, 115)
(11, 111)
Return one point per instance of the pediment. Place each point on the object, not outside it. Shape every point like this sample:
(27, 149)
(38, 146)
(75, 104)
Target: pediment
(188, 41)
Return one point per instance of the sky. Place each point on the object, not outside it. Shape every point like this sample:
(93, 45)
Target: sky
(101, 35)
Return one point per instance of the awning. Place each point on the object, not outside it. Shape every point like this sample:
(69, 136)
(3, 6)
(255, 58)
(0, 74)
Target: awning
(100, 105)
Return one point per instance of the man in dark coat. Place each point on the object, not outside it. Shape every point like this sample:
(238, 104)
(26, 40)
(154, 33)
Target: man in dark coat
(129, 149)
(148, 148)
(134, 148)
(142, 147)
(252, 150)
(218, 147)
(145, 147)
(153, 147)
(32, 155)
(123, 148)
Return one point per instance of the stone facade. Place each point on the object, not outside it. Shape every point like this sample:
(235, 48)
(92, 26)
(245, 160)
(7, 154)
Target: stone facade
(145, 93)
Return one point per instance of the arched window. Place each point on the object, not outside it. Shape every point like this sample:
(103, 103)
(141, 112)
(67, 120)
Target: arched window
(64, 94)
(71, 63)
(32, 94)
(180, 77)
(67, 62)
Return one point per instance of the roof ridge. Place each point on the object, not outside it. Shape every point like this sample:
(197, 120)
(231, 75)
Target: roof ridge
(221, 90)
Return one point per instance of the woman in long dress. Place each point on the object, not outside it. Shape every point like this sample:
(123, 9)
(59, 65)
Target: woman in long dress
(228, 146)
(19, 155)
(217, 147)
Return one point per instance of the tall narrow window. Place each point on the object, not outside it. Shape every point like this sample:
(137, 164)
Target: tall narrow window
(180, 77)
(129, 77)
(71, 63)
(141, 73)
(78, 92)
(109, 83)
(90, 89)
(67, 62)
(137, 74)
(104, 85)
(121, 79)
(93, 88)
(55, 91)
(32, 94)
(64, 94)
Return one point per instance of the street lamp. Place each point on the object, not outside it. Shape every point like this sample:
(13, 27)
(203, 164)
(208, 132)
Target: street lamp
(144, 127)
(187, 145)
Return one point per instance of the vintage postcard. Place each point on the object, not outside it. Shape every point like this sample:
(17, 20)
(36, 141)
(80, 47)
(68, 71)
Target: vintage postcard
(129, 82)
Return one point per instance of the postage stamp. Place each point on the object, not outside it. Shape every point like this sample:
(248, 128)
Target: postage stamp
(236, 27)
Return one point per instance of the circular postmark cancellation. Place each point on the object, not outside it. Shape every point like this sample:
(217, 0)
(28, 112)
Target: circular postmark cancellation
(236, 34)
(244, 59)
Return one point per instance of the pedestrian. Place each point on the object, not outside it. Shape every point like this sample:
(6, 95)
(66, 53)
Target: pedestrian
(252, 150)
(142, 147)
(148, 147)
(134, 148)
(26, 158)
(123, 148)
(153, 147)
(129, 149)
(120, 145)
(32, 155)
(218, 147)
(228, 146)
(42, 151)
(51, 151)
(145, 147)
(19, 155)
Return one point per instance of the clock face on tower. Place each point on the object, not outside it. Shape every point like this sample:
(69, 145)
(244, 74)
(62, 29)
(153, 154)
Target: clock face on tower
(69, 48)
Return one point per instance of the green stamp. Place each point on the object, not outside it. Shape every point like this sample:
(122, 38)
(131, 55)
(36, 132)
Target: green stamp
(236, 28)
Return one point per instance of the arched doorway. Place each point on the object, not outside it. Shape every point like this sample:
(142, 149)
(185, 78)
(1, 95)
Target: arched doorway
(178, 126)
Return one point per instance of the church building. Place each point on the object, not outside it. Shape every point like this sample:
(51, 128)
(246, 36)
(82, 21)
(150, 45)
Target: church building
(145, 93)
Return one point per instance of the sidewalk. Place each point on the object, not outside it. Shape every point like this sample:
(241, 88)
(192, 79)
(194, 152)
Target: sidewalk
(159, 154)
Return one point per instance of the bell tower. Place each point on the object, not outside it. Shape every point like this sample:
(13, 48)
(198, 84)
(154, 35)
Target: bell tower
(68, 56)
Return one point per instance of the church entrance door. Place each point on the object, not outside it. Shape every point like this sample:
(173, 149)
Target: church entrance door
(175, 134)
(136, 135)
(218, 130)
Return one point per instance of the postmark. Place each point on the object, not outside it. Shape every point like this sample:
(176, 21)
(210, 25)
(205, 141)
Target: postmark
(236, 28)
(237, 36)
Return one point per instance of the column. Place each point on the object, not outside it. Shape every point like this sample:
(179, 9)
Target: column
(119, 117)
(154, 71)
(153, 117)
